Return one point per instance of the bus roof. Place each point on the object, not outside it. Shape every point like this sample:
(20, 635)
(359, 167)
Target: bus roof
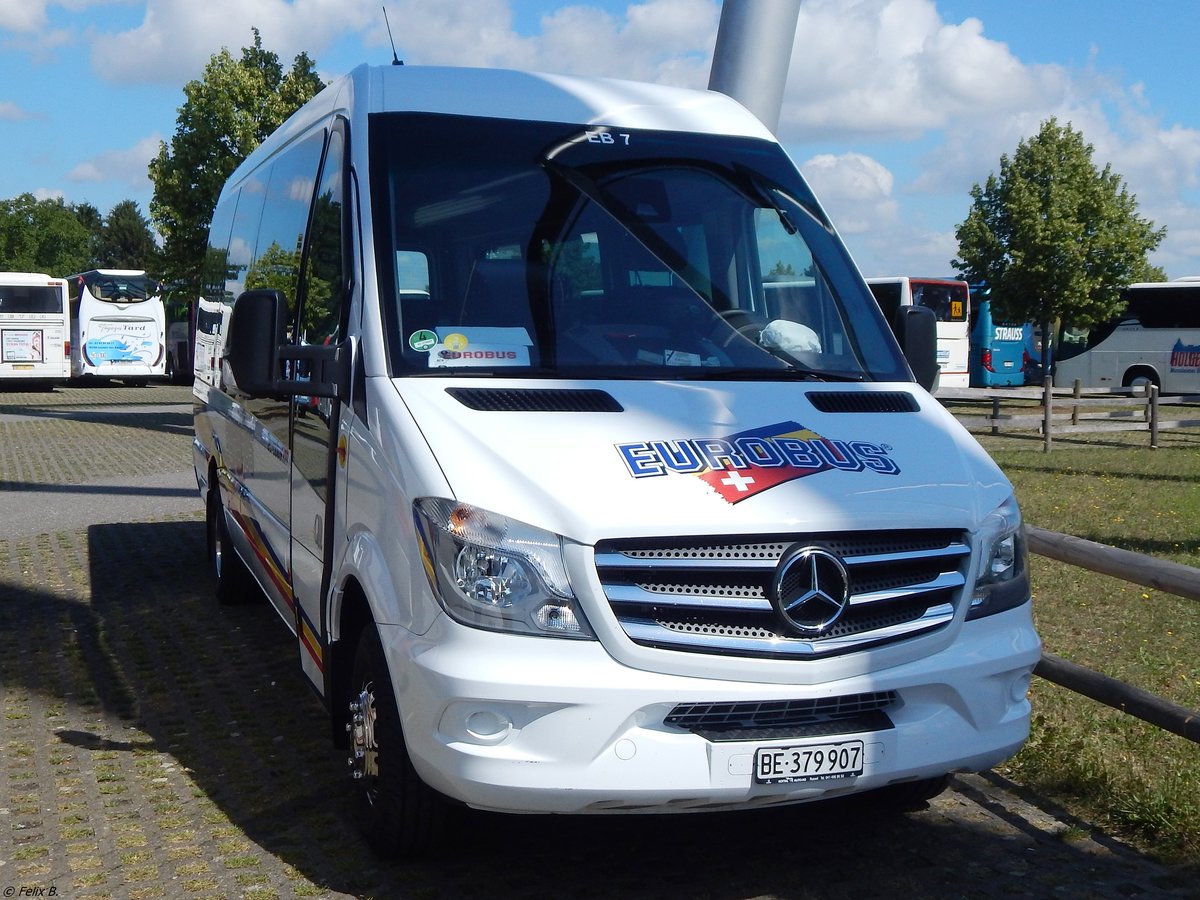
(516, 95)
(128, 273)
(884, 279)
(26, 278)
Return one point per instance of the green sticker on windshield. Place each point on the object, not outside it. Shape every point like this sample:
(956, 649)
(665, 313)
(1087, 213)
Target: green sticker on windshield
(422, 341)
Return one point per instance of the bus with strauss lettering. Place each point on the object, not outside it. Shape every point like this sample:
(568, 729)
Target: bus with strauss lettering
(999, 357)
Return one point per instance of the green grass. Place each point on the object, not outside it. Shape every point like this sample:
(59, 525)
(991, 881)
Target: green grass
(1108, 767)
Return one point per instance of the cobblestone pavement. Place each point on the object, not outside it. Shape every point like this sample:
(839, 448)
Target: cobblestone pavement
(155, 744)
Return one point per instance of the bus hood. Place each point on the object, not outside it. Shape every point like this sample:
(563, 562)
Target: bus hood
(638, 458)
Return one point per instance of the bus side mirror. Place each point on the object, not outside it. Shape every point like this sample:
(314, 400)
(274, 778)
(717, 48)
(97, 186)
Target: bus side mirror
(256, 331)
(916, 330)
(264, 364)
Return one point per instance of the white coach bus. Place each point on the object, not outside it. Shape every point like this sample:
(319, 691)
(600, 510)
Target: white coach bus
(35, 329)
(1154, 340)
(118, 325)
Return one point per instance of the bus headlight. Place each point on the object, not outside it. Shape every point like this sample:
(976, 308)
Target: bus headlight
(490, 571)
(1003, 581)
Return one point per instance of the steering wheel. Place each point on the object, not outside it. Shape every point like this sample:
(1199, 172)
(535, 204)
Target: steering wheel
(742, 323)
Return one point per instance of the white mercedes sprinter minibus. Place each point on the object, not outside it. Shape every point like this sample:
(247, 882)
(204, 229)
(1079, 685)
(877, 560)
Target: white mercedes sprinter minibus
(560, 428)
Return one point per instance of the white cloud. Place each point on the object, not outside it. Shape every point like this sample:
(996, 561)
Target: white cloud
(176, 38)
(10, 112)
(667, 40)
(854, 189)
(22, 16)
(127, 166)
(30, 16)
(894, 68)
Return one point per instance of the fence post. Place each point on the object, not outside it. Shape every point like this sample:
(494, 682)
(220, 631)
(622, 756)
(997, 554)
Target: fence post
(1047, 401)
(995, 414)
(1076, 393)
(1152, 390)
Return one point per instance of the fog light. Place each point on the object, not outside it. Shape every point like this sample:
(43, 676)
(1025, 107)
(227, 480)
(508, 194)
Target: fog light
(1020, 687)
(486, 725)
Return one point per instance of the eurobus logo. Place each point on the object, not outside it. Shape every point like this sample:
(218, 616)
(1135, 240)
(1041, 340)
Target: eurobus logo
(741, 465)
(1184, 356)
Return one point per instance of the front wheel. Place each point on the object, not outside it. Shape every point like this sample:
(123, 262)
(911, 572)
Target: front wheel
(398, 814)
(235, 584)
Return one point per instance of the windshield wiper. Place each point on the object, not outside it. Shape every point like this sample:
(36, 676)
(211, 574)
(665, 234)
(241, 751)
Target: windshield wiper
(796, 373)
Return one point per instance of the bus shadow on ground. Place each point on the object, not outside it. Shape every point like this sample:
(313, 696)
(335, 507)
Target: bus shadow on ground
(204, 715)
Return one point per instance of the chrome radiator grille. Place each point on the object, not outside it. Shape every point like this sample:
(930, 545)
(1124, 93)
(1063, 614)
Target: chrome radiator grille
(713, 595)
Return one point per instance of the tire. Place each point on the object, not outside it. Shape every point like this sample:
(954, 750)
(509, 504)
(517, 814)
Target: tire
(1140, 379)
(235, 584)
(398, 814)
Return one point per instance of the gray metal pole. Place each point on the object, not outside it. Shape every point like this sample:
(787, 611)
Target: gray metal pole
(752, 53)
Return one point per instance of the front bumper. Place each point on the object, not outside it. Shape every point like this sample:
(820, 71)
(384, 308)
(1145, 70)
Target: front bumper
(520, 724)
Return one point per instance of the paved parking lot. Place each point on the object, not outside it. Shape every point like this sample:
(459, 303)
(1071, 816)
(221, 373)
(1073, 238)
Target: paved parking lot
(157, 745)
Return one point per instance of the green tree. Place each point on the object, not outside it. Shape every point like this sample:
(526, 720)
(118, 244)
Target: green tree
(1054, 237)
(41, 236)
(89, 217)
(226, 114)
(126, 241)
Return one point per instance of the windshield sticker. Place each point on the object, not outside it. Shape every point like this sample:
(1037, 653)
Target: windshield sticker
(747, 463)
(423, 341)
(458, 347)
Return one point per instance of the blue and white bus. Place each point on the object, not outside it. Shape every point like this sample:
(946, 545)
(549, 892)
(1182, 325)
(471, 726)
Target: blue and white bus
(999, 354)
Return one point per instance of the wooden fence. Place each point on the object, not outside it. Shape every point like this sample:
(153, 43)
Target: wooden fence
(1062, 411)
(1163, 575)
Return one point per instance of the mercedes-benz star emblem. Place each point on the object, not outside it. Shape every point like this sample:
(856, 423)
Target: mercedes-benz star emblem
(811, 589)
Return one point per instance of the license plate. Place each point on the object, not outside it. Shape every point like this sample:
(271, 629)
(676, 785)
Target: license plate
(808, 762)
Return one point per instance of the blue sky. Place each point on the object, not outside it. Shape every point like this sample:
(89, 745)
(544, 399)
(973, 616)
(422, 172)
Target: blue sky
(893, 109)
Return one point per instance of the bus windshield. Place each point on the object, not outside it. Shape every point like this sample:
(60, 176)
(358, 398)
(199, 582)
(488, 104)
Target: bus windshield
(947, 300)
(30, 298)
(113, 288)
(555, 252)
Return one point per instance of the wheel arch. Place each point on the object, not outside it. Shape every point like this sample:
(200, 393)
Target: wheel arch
(351, 616)
(1139, 371)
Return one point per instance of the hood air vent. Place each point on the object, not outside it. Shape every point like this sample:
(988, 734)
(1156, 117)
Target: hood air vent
(864, 402)
(535, 400)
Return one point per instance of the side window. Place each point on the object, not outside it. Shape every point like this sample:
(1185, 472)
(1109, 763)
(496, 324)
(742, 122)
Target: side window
(244, 234)
(802, 315)
(215, 274)
(276, 261)
(324, 273)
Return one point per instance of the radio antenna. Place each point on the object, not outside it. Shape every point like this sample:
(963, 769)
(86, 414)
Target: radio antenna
(395, 59)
